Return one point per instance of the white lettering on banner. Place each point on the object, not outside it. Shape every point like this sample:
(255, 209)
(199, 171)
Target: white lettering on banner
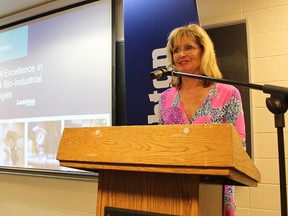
(154, 98)
(159, 59)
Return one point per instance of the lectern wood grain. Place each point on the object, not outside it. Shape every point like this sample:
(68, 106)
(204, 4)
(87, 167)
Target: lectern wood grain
(162, 193)
(188, 149)
(159, 168)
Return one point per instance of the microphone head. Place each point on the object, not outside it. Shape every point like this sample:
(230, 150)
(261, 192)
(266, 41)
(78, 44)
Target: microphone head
(162, 72)
(152, 75)
(171, 68)
(157, 73)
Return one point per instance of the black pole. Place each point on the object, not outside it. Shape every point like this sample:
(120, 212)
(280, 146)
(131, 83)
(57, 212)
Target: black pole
(282, 168)
(277, 104)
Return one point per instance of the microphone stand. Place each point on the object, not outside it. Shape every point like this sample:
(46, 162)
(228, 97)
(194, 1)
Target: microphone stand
(277, 103)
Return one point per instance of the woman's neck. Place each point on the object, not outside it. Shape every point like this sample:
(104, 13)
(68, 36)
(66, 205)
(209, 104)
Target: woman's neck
(190, 83)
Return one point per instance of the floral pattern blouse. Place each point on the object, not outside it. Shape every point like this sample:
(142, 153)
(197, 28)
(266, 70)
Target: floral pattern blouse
(223, 104)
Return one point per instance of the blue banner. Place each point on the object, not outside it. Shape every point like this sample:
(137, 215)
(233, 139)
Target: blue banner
(147, 24)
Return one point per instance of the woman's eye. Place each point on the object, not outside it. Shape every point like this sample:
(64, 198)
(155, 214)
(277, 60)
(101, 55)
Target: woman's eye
(176, 50)
(188, 47)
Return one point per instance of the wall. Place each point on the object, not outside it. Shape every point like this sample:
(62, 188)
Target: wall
(38, 195)
(268, 47)
(268, 50)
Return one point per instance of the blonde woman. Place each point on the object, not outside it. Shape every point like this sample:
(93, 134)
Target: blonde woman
(194, 101)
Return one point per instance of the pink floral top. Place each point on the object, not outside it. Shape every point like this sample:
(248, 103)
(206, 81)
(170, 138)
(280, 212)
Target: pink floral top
(223, 104)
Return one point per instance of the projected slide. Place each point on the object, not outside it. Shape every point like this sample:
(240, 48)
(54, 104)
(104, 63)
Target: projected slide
(54, 73)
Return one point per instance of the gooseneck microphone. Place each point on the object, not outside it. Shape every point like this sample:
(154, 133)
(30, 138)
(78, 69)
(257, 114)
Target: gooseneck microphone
(162, 72)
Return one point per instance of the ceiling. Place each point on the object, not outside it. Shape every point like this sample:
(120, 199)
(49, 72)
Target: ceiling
(10, 7)
(14, 10)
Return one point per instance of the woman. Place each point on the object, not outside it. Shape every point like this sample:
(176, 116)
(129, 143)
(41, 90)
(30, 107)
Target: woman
(193, 101)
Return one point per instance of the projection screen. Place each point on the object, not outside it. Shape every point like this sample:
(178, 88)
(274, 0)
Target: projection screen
(55, 72)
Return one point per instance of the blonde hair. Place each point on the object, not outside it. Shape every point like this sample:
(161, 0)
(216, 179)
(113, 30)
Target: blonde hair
(209, 66)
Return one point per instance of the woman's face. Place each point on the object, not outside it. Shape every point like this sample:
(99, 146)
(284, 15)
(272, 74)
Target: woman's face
(187, 55)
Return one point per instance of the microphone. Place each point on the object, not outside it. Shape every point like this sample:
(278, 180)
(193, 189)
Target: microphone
(162, 72)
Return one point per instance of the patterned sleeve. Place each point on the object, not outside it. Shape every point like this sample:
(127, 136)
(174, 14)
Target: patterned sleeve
(235, 115)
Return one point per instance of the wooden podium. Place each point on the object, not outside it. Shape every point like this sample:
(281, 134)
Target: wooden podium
(160, 169)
